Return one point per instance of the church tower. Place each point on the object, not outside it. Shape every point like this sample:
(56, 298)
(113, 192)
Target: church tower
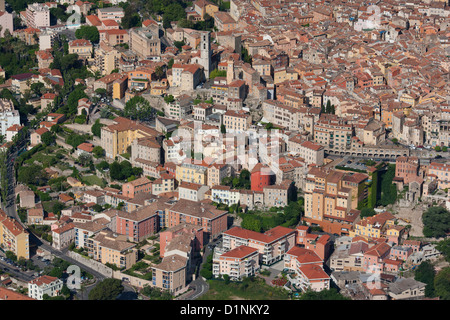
(205, 53)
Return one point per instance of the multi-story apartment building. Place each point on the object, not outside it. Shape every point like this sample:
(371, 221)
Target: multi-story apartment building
(373, 227)
(278, 195)
(407, 168)
(48, 285)
(224, 194)
(63, 236)
(109, 247)
(240, 262)
(138, 224)
(180, 108)
(312, 153)
(236, 121)
(309, 267)
(165, 183)
(115, 36)
(202, 110)
(37, 16)
(190, 172)
(186, 76)
(192, 191)
(145, 43)
(13, 237)
(111, 13)
(132, 188)
(6, 21)
(328, 202)
(216, 172)
(271, 245)
(106, 58)
(8, 115)
(116, 138)
(213, 221)
(280, 115)
(171, 274)
(333, 134)
(146, 148)
(224, 22)
(205, 7)
(84, 230)
(441, 173)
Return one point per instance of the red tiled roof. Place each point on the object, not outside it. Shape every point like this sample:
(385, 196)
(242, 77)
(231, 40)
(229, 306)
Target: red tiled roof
(240, 252)
(313, 272)
(43, 280)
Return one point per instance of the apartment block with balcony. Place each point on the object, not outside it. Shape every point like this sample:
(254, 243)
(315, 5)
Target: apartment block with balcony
(13, 237)
(106, 58)
(309, 268)
(37, 15)
(109, 247)
(171, 274)
(271, 245)
(240, 262)
(333, 134)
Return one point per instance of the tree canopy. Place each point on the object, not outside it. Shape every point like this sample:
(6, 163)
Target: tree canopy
(442, 284)
(436, 222)
(138, 108)
(425, 273)
(108, 289)
(89, 33)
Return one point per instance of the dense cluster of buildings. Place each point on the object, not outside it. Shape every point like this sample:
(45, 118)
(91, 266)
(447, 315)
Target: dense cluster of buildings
(265, 100)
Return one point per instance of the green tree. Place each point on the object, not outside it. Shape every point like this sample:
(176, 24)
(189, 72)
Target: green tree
(138, 108)
(98, 152)
(444, 247)
(425, 273)
(115, 171)
(96, 128)
(251, 222)
(89, 33)
(108, 289)
(367, 212)
(442, 284)
(436, 222)
(48, 138)
(11, 255)
(388, 189)
(329, 294)
(169, 98)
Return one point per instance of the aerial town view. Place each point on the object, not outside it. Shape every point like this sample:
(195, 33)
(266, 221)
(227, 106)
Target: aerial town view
(237, 150)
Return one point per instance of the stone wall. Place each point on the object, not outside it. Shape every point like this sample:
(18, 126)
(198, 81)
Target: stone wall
(97, 266)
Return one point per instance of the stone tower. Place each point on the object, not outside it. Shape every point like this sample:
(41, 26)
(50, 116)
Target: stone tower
(205, 53)
(230, 70)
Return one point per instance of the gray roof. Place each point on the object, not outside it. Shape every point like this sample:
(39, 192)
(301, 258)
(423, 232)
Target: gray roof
(404, 284)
